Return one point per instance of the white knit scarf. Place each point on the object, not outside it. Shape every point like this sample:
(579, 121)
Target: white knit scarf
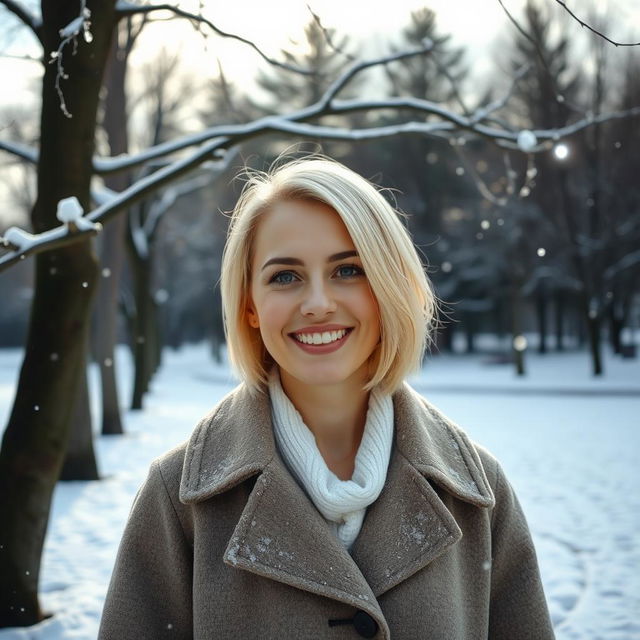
(342, 502)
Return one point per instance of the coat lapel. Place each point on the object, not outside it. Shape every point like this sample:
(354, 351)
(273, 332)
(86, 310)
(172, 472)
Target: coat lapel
(282, 536)
(409, 526)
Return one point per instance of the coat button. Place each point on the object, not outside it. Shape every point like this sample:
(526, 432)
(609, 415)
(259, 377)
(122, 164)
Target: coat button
(364, 624)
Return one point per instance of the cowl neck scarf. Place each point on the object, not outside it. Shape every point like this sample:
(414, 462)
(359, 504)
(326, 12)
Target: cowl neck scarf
(343, 503)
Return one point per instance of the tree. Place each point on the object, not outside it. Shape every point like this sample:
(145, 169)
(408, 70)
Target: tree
(285, 91)
(623, 228)
(437, 77)
(115, 123)
(573, 189)
(35, 440)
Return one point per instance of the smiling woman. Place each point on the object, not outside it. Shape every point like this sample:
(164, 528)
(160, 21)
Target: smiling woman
(324, 498)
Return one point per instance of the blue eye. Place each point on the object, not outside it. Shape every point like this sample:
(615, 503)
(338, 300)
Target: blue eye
(350, 271)
(282, 277)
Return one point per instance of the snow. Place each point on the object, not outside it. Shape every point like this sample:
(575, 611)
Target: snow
(73, 28)
(19, 238)
(568, 442)
(70, 212)
(526, 140)
(69, 209)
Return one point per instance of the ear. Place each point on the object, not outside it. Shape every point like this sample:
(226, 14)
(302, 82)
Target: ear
(252, 317)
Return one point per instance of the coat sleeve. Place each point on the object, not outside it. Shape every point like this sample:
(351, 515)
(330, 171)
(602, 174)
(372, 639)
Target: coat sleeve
(518, 608)
(149, 596)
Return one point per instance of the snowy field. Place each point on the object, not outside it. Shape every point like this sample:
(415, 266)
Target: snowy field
(569, 444)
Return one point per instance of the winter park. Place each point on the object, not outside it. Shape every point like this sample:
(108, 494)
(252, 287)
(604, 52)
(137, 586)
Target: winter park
(198, 197)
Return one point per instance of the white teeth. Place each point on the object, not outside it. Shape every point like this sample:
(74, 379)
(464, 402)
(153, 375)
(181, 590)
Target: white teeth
(320, 338)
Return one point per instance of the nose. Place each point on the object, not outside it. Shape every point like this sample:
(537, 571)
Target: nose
(317, 301)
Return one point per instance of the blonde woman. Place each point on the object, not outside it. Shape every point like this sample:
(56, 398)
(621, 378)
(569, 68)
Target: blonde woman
(323, 497)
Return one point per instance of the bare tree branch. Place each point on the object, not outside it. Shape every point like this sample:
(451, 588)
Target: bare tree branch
(481, 185)
(26, 17)
(482, 113)
(124, 9)
(584, 24)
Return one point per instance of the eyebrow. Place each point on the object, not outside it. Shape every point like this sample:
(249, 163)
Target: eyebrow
(296, 261)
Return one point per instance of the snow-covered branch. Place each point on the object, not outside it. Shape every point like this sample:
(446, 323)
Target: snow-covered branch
(354, 69)
(74, 227)
(324, 106)
(222, 137)
(20, 150)
(582, 23)
(125, 9)
(25, 16)
(327, 105)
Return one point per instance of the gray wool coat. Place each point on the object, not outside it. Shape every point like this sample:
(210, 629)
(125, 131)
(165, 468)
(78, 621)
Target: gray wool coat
(222, 543)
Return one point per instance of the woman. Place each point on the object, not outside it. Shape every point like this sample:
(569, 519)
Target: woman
(323, 497)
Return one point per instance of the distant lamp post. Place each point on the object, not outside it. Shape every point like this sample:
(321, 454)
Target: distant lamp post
(561, 151)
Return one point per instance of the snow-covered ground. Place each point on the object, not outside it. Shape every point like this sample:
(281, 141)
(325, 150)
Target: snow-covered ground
(569, 444)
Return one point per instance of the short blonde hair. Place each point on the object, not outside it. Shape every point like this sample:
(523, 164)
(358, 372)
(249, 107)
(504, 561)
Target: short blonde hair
(396, 276)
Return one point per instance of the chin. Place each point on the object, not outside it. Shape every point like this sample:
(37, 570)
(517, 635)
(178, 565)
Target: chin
(324, 375)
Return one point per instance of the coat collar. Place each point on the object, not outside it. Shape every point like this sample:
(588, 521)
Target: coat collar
(235, 441)
(281, 535)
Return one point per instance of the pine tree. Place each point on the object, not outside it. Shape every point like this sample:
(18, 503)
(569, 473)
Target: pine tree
(285, 91)
(434, 76)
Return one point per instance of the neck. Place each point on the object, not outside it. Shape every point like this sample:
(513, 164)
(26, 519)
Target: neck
(336, 415)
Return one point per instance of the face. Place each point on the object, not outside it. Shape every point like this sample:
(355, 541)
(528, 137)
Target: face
(310, 297)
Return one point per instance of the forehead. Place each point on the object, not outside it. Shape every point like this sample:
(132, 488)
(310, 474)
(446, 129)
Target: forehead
(300, 228)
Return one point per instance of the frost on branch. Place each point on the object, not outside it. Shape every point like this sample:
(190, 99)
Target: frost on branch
(70, 33)
(70, 213)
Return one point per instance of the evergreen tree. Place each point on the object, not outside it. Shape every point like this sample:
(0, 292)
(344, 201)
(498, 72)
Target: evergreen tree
(435, 76)
(285, 91)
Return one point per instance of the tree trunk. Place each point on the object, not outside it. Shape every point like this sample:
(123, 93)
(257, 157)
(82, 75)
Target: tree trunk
(559, 320)
(592, 323)
(36, 436)
(469, 332)
(80, 461)
(618, 315)
(113, 253)
(518, 346)
(141, 274)
(541, 312)
(593, 330)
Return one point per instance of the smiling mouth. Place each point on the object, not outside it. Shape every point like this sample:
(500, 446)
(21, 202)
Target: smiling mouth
(324, 338)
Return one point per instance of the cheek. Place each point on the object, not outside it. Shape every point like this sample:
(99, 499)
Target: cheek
(368, 305)
(273, 314)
